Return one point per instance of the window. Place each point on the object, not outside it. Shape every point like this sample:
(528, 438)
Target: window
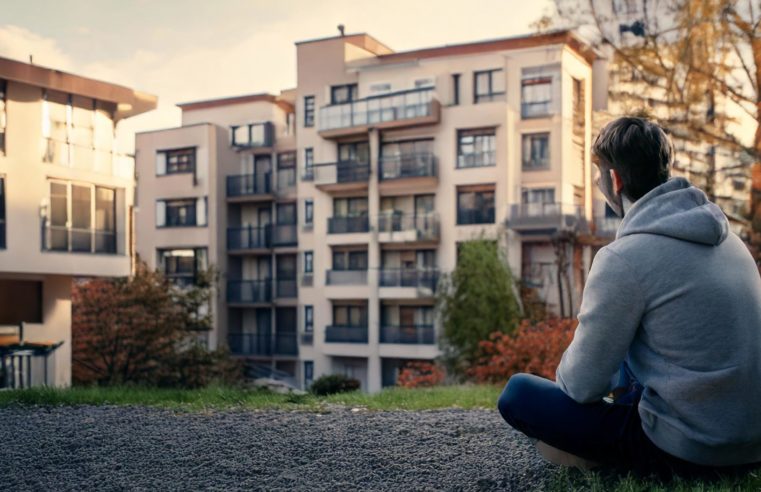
(181, 266)
(286, 170)
(488, 85)
(182, 212)
(308, 319)
(3, 114)
(475, 205)
(455, 89)
(349, 315)
(308, 111)
(340, 94)
(536, 151)
(380, 88)
(286, 213)
(2, 212)
(308, 373)
(537, 85)
(423, 83)
(354, 152)
(308, 164)
(538, 201)
(349, 260)
(350, 207)
(476, 148)
(308, 211)
(290, 119)
(175, 161)
(81, 218)
(308, 262)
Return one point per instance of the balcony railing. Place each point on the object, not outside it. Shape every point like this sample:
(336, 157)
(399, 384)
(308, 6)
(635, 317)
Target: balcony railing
(411, 334)
(475, 216)
(477, 159)
(263, 344)
(344, 225)
(403, 105)
(346, 277)
(417, 165)
(287, 288)
(346, 334)
(249, 291)
(426, 225)
(545, 216)
(249, 184)
(286, 180)
(340, 173)
(248, 238)
(286, 344)
(86, 158)
(285, 234)
(536, 109)
(74, 240)
(406, 277)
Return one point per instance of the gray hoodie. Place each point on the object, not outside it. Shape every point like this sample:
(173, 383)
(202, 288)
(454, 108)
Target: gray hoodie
(679, 297)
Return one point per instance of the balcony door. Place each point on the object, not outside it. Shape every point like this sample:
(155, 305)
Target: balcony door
(538, 201)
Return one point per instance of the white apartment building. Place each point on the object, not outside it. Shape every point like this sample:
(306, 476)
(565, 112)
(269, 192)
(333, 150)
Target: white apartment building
(401, 157)
(65, 209)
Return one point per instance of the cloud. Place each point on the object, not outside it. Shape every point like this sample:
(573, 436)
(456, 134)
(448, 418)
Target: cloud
(18, 43)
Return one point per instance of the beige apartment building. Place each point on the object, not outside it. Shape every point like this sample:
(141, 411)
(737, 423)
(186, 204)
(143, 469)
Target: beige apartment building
(65, 209)
(401, 157)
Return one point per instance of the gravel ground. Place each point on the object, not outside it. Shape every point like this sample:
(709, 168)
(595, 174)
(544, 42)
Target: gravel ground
(136, 448)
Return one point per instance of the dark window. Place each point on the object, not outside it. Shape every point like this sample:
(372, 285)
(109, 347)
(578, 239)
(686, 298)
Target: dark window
(350, 315)
(3, 114)
(455, 89)
(308, 373)
(538, 196)
(308, 262)
(308, 111)
(354, 152)
(180, 161)
(308, 319)
(349, 260)
(286, 170)
(349, 207)
(81, 231)
(286, 213)
(308, 211)
(476, 148)
(343, 93)
(181, 266)
(475, 207)
(536, 151)
(2, 212)
(488, 85)
(308, 164)
(286, 267)
(180, 213)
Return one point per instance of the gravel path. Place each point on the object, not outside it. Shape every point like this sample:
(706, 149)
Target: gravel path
(136, 448)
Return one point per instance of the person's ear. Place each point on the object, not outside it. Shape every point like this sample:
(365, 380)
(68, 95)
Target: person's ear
(618, 183)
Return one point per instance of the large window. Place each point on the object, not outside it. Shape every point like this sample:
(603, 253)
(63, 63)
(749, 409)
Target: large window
(308, 111)
(81, 218)
(286, 213)
(476, 148)
(537, 87)
(350, 207)
(475, 205)
(349, 315)
(183, 212)
(176, 161)
(488, 85)
(343, 93)
(536, 151)
(349, 260)
(2, 212)
(354, 152)
(181, 266)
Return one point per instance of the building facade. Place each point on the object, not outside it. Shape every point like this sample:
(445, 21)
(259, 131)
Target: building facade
(66, 197)
(340, 203)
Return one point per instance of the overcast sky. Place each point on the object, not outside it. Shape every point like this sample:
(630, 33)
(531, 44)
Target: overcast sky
(185, 50)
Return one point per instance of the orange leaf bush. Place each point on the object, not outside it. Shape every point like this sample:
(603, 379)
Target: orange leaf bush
(534, 348)
(420, 375)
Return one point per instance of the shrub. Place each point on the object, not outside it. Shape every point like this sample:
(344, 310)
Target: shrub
(534, 348)
(197, 367)
(333, 383)
(420, 375)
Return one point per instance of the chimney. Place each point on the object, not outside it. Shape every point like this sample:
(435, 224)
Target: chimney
(341, 29)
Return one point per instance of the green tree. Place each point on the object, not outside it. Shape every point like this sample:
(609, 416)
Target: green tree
(475, 300)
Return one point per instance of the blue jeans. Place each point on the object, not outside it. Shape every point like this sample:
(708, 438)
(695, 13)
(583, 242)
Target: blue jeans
(608, 433)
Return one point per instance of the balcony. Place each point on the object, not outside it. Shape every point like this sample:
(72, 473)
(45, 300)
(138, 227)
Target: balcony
(341, 176)
(248, 238)
(405, 277)
(346, 225)
(286, 288)
(74, 240)
(421, 165)
(346, 277)
(286, 344)
(250, 344)
(86, 158)
(284, 235)
(249, 291)
(397, 227)
(249, 187)
(475, 216)
(395, 110)
(252, 136)
(408, 334)
(545, 218)
(346, 334)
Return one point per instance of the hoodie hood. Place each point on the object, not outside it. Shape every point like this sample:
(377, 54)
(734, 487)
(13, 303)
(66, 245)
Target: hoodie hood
(679, 210)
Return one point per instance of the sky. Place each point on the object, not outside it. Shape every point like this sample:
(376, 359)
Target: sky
(187, 50)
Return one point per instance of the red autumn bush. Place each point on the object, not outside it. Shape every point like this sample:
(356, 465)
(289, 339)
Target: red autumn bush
(420, 375)
(534, 348)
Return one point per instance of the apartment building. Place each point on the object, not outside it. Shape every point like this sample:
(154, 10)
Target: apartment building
(401, 157)
(65, 209)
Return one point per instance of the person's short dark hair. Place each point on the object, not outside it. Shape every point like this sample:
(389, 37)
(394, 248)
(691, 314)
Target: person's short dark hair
(638, 149)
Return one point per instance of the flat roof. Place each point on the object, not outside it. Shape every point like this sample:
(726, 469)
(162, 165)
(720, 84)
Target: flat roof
(243, 99)
(129, 102)
(362, 40)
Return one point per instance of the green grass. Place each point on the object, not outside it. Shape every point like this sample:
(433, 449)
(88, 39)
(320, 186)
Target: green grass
(567, 480)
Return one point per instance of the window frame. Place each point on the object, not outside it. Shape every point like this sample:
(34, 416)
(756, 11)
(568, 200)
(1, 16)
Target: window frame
(194, 200)
(308, 267)
(308, 318)
(308, 211)
(197, 258)
(456, 89)
(531, 135)
(168, 153)
(352, 93)
(475, 133)
(479, 195)
(309, 111)
(491, 95)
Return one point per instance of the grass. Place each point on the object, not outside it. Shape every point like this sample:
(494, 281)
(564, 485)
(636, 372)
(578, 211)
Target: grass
(466, 397)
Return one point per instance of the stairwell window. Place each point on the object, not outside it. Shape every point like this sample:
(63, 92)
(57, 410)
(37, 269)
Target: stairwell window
(488, 85)
(308, 111)
(308, 211)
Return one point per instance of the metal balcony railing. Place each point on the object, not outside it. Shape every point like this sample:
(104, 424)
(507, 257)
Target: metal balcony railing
(342, 172)
(475, 216)
(550, 216)
(248, 238)
(409, 334)
(343, 225)
(416, 165)
(405, 277)
(263, 344)
(249, 185)
(75, 240)
(395, 106)
(346, 334)
(249, 291)
(477, 159)
(285, 234)
(346, 277)
(426, 225)
(286, 288)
